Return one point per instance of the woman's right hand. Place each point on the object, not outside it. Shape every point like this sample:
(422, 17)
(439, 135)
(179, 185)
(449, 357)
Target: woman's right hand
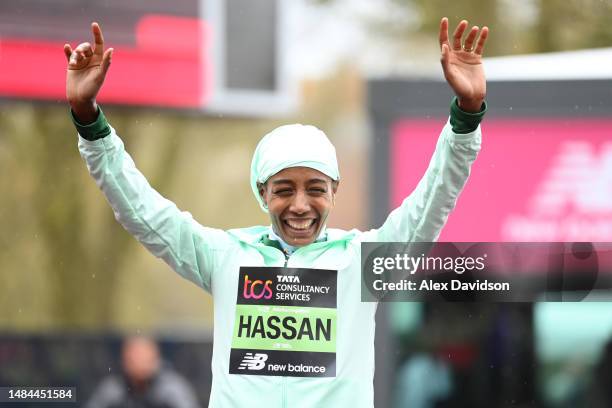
(87, 68)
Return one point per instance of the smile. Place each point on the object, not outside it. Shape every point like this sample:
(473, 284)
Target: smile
(300, 225)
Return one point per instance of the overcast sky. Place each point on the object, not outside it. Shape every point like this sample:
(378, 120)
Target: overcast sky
(319, 37)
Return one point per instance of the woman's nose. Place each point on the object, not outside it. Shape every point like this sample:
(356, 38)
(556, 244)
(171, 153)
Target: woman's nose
(300, 203)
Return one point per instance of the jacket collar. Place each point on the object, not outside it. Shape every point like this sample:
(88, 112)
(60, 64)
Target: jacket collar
(256, 235)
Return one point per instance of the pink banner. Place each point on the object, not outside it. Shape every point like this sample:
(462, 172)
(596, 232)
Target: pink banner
(534, 180)
(168, 66)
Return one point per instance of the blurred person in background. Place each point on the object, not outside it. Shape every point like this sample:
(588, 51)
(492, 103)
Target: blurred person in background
(146, 382)
(294, 177)
(424, 380)
(600, 391)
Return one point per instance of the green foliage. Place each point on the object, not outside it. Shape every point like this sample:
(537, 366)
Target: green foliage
(63, 257)
(59, 277)
(574, 24)
(517, 26)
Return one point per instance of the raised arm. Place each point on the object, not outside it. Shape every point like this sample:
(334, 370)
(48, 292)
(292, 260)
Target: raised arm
(153, 220)
(424, 212)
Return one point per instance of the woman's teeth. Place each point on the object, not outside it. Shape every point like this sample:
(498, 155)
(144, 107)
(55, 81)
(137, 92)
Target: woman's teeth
(300, 225)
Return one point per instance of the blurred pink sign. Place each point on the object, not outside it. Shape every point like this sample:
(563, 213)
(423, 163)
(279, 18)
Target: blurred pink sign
(168, 66)
(534, 179)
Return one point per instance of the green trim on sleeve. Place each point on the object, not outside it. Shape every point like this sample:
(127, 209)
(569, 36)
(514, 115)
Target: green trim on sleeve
(95, 130)
(465, 122)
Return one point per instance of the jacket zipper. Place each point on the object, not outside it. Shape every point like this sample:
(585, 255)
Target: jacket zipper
(284, 392)
(284, 379)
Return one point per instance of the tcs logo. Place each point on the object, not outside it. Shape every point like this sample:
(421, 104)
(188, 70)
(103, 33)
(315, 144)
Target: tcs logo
(256, 289)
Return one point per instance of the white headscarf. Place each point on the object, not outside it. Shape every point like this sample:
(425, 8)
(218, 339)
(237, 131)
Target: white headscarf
(292, 146)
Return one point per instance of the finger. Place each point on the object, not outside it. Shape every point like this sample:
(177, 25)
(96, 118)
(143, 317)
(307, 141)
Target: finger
(445, 56)
(445, 61)
(67, 51)
(88, 51)
(75, 61)
(106, 60)
(443, 36)
(75, 58)
(482, 39)
(459, 34)
(469, 41)
(85, 49)
(98, 38)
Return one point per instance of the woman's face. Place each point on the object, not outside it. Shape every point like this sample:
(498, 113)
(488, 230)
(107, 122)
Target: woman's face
(299, 200)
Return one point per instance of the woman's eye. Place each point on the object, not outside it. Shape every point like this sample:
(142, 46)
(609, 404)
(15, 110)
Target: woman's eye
(318, 190)
(283, 191)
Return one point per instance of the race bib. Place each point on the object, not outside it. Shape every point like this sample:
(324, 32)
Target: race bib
(285, 322)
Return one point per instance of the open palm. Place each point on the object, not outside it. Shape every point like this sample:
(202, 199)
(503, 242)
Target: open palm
(462, 63)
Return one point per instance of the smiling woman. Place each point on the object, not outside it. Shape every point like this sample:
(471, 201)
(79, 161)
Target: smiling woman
(294, 177)
(299, 200)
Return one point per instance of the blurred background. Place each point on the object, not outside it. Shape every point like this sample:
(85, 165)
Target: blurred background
(193, 86)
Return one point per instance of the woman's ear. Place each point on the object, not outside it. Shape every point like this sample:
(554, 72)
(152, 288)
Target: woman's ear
(335, 184)
(261, 187)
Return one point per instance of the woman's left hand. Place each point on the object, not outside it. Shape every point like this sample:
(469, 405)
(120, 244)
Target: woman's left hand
(462, 64)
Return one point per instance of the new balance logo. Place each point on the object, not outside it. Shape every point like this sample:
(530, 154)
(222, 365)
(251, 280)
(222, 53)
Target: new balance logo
(579, 181)
(252, 361)
(574, 200)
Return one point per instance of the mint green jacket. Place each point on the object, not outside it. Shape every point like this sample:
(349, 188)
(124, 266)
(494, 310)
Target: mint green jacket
(211, 259)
